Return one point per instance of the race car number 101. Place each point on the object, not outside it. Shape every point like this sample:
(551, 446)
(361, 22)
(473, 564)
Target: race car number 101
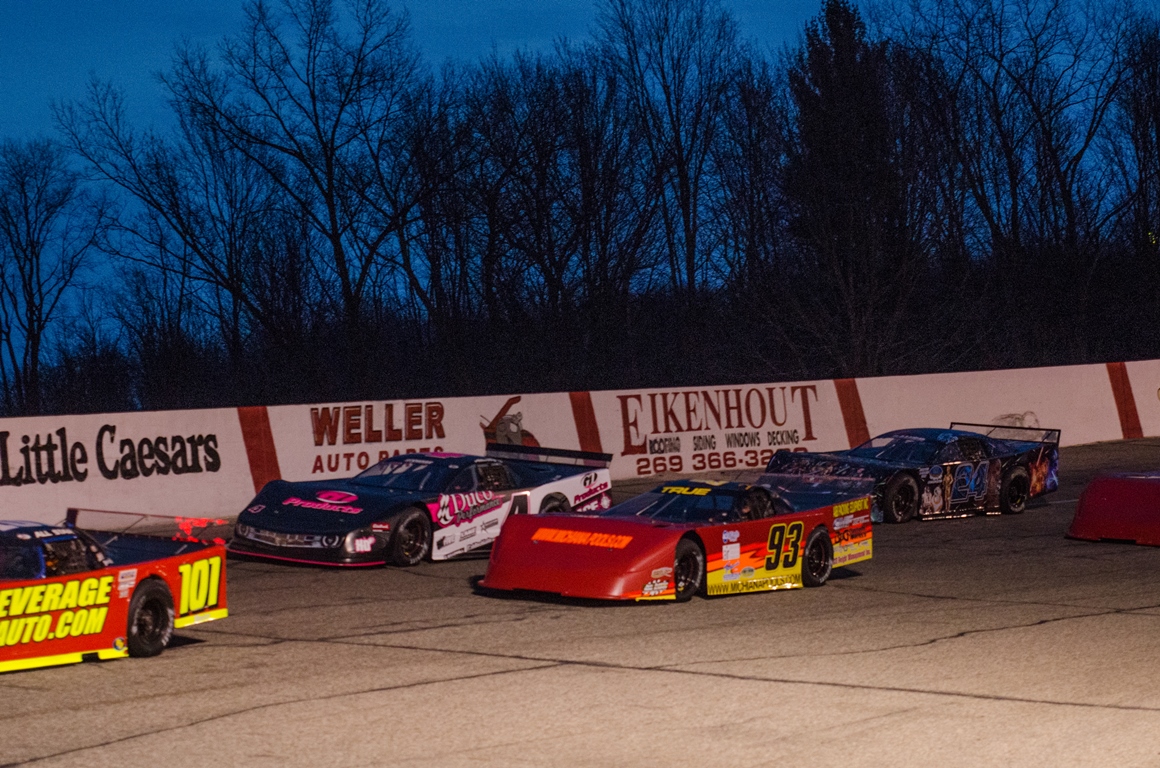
(199, 584)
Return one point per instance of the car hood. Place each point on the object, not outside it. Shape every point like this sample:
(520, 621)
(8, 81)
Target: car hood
(583, 556)
(833, 464)
(325, 506)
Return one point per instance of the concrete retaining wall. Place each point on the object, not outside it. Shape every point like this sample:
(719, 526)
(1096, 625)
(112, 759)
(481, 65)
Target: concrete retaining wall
(211, 462)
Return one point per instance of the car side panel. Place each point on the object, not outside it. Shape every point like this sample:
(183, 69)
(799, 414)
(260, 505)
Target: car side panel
(87, 613)
(766, 554)
(464, 522)
(1043, 464)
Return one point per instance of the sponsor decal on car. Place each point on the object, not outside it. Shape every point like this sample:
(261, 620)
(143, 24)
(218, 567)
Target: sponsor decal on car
(685, 491)
(731, 561)
(126, 580)
(849, 520)
(850, 507)
(584, 538)
(327, 501)
(655, 587)
(364, 543)
(662, 573)
(25, 611)
(462, 507)
(756, 585)
(590, 493)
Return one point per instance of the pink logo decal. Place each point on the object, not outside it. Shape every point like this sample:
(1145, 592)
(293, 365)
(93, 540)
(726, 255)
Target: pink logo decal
(325, 504)
(461, 507)
(337, 497)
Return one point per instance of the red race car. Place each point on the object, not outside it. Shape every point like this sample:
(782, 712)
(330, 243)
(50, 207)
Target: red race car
(685, 537)
(68, 594)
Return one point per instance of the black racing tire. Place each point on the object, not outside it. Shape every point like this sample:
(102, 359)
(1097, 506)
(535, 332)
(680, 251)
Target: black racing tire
(150, 625)
(817, 559)
(688, 570)
(411, 542)
(900, 499)
(1014, 491)
(555, 505)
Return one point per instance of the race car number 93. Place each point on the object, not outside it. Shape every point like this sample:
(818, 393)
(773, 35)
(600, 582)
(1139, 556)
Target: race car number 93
(199, 585)
(778, 538)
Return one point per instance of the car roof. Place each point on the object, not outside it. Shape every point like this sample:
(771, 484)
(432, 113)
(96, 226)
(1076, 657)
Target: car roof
(933, 434)
(450, 460)
(23, 531)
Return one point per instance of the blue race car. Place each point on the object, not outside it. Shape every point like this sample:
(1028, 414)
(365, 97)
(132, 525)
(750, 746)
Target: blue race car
(965, 470)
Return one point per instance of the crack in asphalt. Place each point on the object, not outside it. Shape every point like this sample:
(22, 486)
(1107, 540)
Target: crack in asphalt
(900, 646)
(982, 600)
(268, 705)
(400, 627)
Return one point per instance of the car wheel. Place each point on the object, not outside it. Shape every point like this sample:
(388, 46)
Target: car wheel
(1014, 491)
(818, 559)
(150, 618)
(688, 569)
(900, 499)
(554, 505)
(412, 540)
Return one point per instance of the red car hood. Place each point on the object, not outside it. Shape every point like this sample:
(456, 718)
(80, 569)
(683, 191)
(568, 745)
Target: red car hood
(607, 558)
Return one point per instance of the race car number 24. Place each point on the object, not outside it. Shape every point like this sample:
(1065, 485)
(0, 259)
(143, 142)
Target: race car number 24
(199, 584)
(779, 536)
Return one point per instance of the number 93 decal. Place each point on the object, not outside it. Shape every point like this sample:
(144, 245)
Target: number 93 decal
(784, 545)
(200, 582)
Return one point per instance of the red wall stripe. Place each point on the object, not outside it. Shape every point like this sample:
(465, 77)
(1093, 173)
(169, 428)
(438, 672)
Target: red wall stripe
(1125, 401)
(259, 440)
(852, 414)
(585, 415)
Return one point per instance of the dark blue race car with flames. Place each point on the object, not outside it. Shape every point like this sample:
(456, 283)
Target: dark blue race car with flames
(965, 470)
(418, 506)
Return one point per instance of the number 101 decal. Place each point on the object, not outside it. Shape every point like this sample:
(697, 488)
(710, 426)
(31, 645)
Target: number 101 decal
(199, 585)
(778, 538)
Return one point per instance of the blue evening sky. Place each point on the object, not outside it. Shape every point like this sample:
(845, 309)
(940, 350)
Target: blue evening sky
(50, 48)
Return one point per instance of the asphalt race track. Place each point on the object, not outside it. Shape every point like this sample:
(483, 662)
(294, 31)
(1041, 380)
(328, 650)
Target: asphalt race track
(973, 642)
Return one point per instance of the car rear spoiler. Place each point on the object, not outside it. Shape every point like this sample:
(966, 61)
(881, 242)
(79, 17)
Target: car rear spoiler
(548, 455)
(1005, 432)
(207, 530)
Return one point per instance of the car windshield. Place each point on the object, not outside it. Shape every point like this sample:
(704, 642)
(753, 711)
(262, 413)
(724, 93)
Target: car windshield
(681, 504)
(21, 561)
(407, 473)
(904, 449)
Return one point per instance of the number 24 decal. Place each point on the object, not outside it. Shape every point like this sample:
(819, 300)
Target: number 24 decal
(778, 538)
(199, 584)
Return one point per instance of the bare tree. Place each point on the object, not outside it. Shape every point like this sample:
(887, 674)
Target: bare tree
(676, 59)
(205, 213)
(48, 226)
(299, 93)
(1031, 83)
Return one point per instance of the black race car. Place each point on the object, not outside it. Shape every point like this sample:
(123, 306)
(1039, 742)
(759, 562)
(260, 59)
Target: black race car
(935, 473)
(418, 505)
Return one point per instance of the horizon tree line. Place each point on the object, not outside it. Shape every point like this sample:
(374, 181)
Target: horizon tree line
(914, 186)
